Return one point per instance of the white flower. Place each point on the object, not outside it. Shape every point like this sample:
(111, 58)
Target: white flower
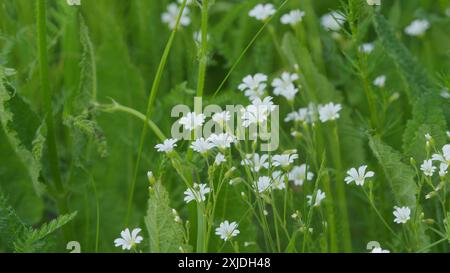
(170, 17)
(227, 230)
(293, 17)
(302, 115)
(445, 93)
(278, 180)
(222, 141)
(74, 2)
(220, 158)
(256, 162)
(201, 145)
(417, 27)
(253, 86)
(373, 3)
(284, 85)
(299, 175)
(257, 112)
(329, 111)
(358, 176)
(319, 197)
(263, 184)
(443, 169)
(197, 193)
(222, 117)
(402, 215)
(284, 160)
(367, 48)
(445, 156)
(167, 146)
(379, 250)
(128, 240)
(332, 21)
(262, 11)
(427, 167)
(380, 81)
(189, 2)
(191, 121)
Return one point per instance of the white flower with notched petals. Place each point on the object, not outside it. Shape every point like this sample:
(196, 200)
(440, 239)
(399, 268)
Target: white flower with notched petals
(128, 239)
(299, 174)
(358, 176)
(445, 156)
(303, 115)
(373, 2)
(170, 16)
(427, 167)
(293, 17)
(380, 81)
(197, 192)
(220, 158)
(284, 86)
(167, 146)
(222, 141)
(192, 121)
(379, 250)
(262, 11)
(317, 200)
(74, 2)
(222, 117)
(367, 48)
(402, 215)
(227, 230)
(257, 112)
(256, 162)
(333, 21)
(263, 184)
(278, 180)
(284, 160)
(253, 86)
(329, 111)
(201, 145)
(417, 27)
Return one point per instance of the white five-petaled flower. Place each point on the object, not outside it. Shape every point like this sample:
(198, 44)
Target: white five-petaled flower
(299, 174)
(263, 184)
(329, 111)
(222, 117)
(333, 21)
(220, 158)
(74, 2)
(367, 48)
(227, 230)
(192, 121)
(317, 200)
(128, 239)
(302, 115)
(278, 180)
(380, 81)
(284, 160)
(197, 193)
(262, 11)
(170, 16)
(167, 146)
(284, 86)
(293, 17)
(417, 27)
(256, 162)
(427, 167)
(253, 86)
(402, 215)
(257, 112)
(359, 176)
(201, 145)
(379, 250)
(222, 141)
(445, 156)
(373, 2)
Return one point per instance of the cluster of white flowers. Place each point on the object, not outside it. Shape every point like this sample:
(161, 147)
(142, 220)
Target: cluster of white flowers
(303, 115)
(257, 112)
(254, 86)
(443, 159)
(170, 16)
(417, 27)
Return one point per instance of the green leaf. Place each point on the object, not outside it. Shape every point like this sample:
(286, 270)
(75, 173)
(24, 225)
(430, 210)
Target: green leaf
(165, 234)
(10, 225)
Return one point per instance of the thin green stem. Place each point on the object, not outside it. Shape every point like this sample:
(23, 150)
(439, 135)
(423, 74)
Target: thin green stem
(203, 56)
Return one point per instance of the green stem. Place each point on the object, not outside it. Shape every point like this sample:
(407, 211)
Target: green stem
(151, 100)
(203, 58)
(201, 229)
